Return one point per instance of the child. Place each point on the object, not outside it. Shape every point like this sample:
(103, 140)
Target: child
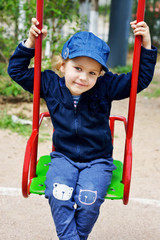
(79, 104)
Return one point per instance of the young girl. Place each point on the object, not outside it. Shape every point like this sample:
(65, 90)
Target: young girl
(79, 104)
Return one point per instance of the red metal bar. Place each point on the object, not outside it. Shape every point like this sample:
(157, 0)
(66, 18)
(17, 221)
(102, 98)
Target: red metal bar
(26, 165)
(37, 83)
(114, 118)
(42, 115)
(27, 159)
(132, 104)
(30, 158)
(135, 71)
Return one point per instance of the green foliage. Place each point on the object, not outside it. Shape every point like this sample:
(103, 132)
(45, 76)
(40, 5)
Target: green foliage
(122, 69)
(104, 10)
(59, 12)
(56, 15)
(8, 87)
(9, 14)
(2, 69)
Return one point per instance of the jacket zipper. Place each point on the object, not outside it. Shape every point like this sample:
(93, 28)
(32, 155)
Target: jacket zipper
(76, 130)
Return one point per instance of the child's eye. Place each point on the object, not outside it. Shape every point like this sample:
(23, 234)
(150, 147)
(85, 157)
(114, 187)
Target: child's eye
(78, 68)
(92, 73)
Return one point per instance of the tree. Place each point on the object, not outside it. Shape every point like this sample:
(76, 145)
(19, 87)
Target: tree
(9, 20)
(60, 12)
(56, 15)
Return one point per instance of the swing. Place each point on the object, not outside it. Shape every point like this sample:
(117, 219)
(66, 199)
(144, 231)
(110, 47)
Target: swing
(34, 172)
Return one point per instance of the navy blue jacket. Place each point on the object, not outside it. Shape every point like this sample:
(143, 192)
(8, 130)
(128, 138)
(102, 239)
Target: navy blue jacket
(82, 134)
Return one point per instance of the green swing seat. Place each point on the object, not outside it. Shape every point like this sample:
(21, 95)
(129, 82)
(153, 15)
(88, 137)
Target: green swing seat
(37, 185)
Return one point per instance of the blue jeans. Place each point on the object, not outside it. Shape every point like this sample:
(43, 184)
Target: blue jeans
(75, 192)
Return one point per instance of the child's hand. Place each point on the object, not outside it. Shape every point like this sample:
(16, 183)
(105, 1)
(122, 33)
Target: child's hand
(142, 29)
(34, 32)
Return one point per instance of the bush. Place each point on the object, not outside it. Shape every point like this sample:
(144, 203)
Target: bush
(122, 69)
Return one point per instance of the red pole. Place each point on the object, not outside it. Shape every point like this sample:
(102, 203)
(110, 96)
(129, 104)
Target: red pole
(132, 105)
(37, 83)
(135, 71)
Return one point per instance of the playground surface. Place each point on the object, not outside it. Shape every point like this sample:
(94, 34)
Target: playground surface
(30, 219)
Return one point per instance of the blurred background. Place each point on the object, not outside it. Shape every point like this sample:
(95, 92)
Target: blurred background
(108, 19)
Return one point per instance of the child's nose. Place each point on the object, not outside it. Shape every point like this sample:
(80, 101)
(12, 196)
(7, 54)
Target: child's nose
(83, 76)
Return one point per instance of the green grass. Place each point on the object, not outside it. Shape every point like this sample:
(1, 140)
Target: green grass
(24, 130)
(155, 93)
(7, 123)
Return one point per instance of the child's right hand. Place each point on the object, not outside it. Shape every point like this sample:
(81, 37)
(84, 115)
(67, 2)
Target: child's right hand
(34, 32)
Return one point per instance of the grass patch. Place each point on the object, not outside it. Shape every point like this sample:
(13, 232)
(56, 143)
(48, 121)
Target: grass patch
(7, 123)
(154, 93)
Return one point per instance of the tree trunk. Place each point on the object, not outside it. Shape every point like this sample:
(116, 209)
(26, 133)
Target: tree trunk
(93, 26)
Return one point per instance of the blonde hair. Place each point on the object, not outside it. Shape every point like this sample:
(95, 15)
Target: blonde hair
(57, 62)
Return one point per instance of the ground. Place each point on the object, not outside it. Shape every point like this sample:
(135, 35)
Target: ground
(30, 219)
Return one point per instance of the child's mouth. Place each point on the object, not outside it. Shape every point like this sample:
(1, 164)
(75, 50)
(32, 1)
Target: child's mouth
(80, 84)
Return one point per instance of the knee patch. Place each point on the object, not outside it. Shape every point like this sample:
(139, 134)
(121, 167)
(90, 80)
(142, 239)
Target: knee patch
(62, 191)
(87, 197)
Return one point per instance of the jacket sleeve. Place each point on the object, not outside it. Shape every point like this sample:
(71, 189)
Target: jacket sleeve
(20, 72)
(118, 86)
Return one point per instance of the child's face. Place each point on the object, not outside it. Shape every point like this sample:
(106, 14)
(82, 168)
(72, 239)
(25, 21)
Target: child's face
(81, 74)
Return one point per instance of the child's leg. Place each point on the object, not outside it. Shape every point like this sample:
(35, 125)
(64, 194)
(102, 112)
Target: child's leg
(60, 185)
(90, 192)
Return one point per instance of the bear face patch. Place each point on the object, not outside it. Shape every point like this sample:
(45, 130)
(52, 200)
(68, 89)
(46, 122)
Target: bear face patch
(87, 197)
(62, 191)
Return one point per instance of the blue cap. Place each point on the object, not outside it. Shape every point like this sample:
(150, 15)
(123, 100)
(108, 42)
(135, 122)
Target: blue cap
(86, 44)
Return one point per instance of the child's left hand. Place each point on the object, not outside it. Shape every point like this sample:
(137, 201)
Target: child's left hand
(142, 29)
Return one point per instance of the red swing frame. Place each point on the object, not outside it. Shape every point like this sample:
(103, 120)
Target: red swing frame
(30, 159)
